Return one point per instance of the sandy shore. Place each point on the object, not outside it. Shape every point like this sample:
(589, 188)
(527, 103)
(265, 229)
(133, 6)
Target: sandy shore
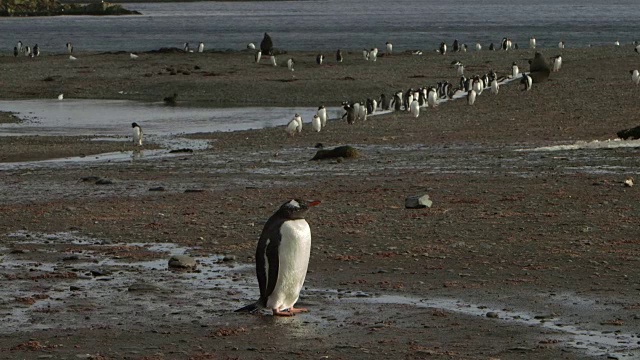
(511, 235)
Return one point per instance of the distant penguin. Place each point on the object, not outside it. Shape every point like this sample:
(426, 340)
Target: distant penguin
(432, 97)
(637, 49)
(15, 51)
(389, 48)
(36, 50)
(515, 46)
(201, 47)
(322, 114)
(477, 85)
(290, 64)
(350, 113)
(73, 58)
(443, 48)
(61, 97)
(185, 47)
(617, 43)
(362, 112)
(527, 81)
(319, 59)
(273, 61)
(561, 45)
(133, 56)
(557, 63)
(464, 47)
(478, 47)
(137, 134)
(258, 56)
(251, 46)
(503, 44)
(298, 118)
(492, 47)
(385, 104)
(397, 101)
(494, 87)
(371, 106)
(316, 123)
(455, 47)
(532, 43)
(19, 46)
(27, 51)
(69, 48)
(365, 54)
(356, 109)
(515, 71)
(266, 45)
(635, 76)
(373, 54)
(471, 97)
(282, 259)
(339, 57)
(415, 108)
(292, 126)
(460, 70)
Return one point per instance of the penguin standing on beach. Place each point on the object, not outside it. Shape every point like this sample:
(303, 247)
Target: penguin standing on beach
(385, 103)
(443, 48)
(185, 47)
(273, 61)
(15, 51)
(456, 46)
(389, 48)
(557, 63)
(415, 108)
(471, 97)
(282, 259)
(339, 57)
(322, 114)
(36, 50)
(290, 64)
(291, 127)
(397, 101)
(69, 48)
(532, 43)
(137, 134)
(201, 47)
(258, 56)
(19, 46)
(316, 123)
(515, 71)
(319, 59)
(635, 76)
(527, 81)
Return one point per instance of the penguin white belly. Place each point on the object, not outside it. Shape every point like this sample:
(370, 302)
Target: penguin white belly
(293, 253)
(137, 136)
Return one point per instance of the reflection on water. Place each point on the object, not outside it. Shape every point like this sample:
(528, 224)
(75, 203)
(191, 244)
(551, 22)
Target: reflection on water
(114, 117)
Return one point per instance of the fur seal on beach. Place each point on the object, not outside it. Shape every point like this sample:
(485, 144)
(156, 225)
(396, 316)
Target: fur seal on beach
(539, 69)
(282, 259)
(266, 46)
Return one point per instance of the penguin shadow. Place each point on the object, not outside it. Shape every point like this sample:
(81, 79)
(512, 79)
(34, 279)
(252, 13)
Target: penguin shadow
(137, 154)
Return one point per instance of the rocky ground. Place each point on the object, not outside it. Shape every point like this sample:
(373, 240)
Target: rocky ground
(523, 255)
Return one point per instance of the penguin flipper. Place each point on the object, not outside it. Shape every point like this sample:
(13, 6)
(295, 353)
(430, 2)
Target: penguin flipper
(251, 308)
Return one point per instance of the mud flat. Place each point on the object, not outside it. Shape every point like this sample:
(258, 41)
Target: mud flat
(530, 250)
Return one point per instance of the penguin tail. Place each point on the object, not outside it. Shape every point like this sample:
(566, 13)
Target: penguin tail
(251, 308)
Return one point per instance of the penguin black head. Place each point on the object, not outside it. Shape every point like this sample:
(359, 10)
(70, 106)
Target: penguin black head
(296, 208)
(134, 125)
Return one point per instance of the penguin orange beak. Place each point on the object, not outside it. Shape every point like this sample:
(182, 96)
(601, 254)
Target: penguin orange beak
(313, 203)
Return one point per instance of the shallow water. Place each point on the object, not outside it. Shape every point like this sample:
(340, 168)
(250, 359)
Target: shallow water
(71, 117)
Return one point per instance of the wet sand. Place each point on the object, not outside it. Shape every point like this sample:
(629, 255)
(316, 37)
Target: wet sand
(511, 233)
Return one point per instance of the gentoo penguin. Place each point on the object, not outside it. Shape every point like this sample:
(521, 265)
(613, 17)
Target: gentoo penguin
(137, 134)
(478, 47)
(477, 85)
(460, 69)
(504, 44)
(201, 47)
(322, 113)
(456, 46)
(362, 112)
(350, 113)
(298, 118)
(61, 97)
(397, 101)
(69, 48)
(415, 108)
(372, 105)
(385, 104)
(557, 63)
(339, 57)
(266, 45)
(27, 51)
(316, 123)
(15, 51)
(292, 126)
(133, 56)
(637, 49)
(373, 54)
(561, 45)
(526, 81)
(365, 54)
(71, 57)
(319, 59)
(515, 46)
(290, 64)
(36, 50)
(492, 47)
(494, 87)
(432, 97)
(471, 97)
(389, 48)
(617, 43)
(185, 48)
(251, 46)
(635, 76)
(273, 61)
(19, 46)
(258, 56)
(443, 48)
(282, 259)
(515, 71)
(356, 109)
(464, 47)
(532, 43)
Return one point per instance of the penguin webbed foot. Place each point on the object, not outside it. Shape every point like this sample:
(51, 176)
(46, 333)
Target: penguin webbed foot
(277, 312)
(298, 310)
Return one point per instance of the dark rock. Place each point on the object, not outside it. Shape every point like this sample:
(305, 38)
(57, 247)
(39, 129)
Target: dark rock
(91, 178)
(229, 258)
(157, 188)
(105, 181)
(194, 191)
(182, 262)
(632, 134)
(144, 287)
(346, 151)
(183, 150)
(492, 315)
